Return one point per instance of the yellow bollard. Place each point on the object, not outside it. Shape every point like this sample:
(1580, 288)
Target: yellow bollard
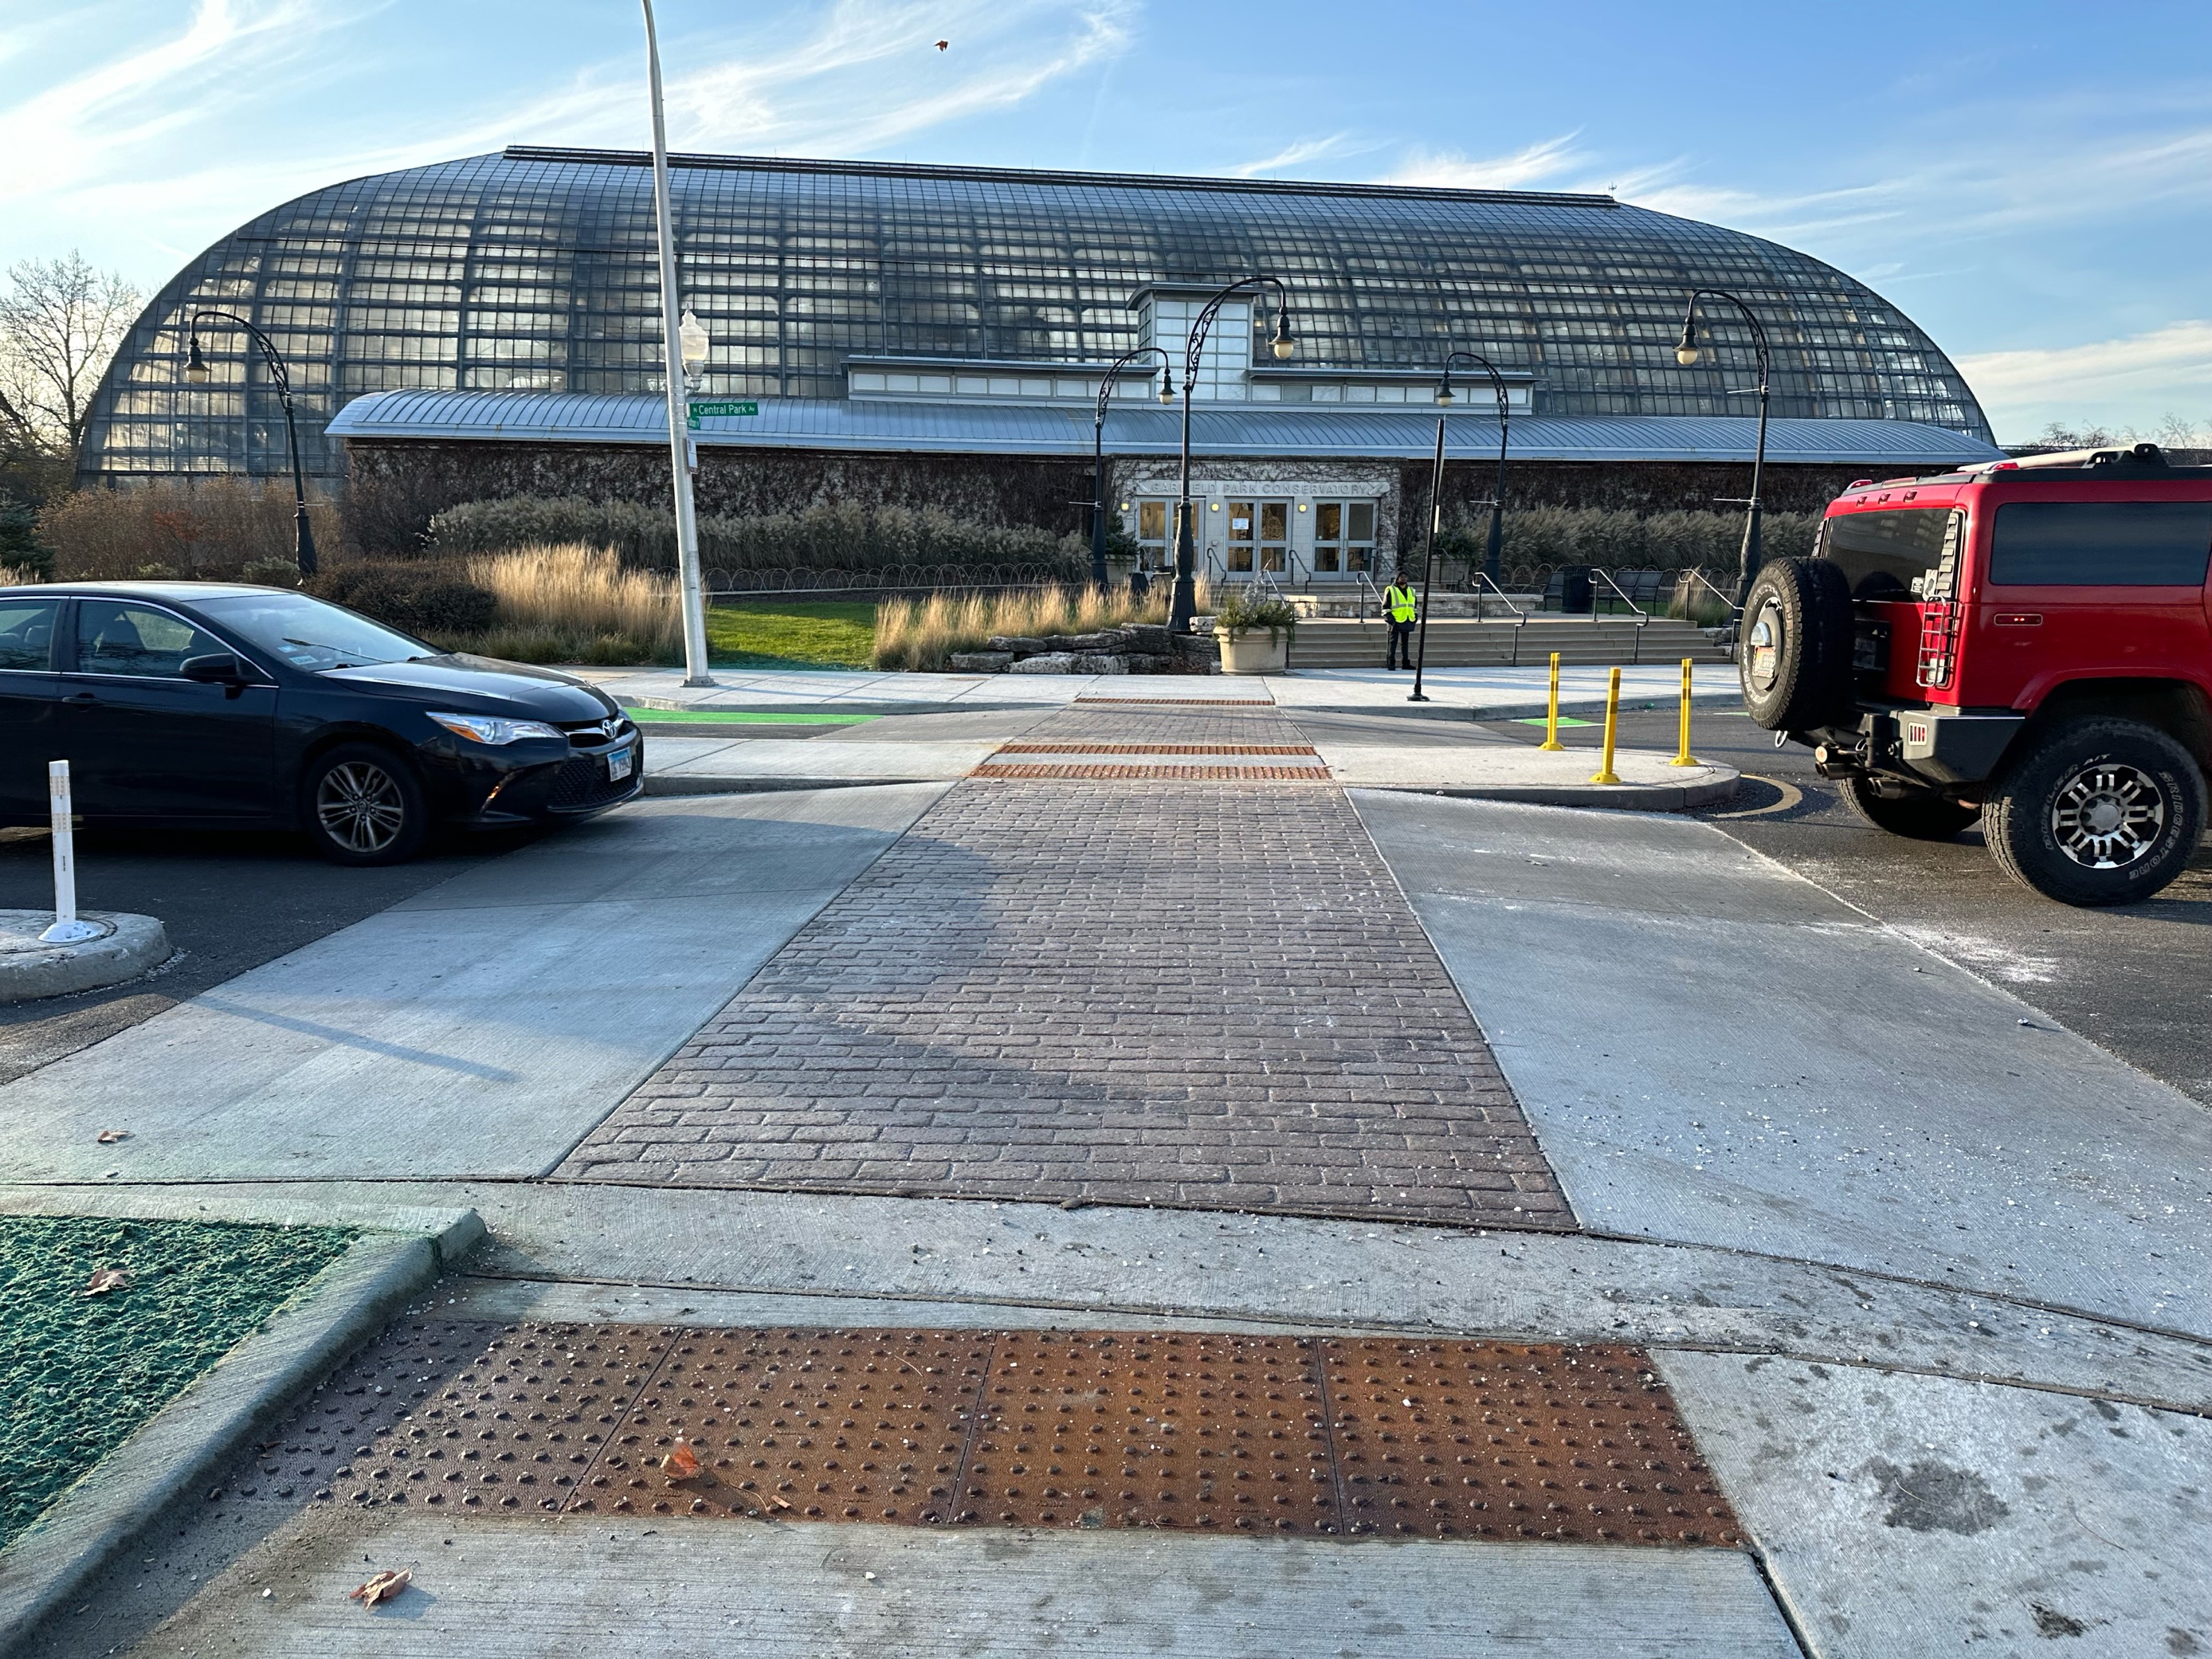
(1684, 757)
(1605, 773)
(1552, 719)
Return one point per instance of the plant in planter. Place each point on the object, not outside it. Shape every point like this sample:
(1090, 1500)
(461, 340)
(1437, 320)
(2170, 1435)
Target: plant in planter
(1239, 623)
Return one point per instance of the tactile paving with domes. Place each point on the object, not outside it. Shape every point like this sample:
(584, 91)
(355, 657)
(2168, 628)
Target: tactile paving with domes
(1181, 1430)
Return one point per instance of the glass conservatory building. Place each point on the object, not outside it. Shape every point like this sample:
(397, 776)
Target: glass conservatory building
(886, 308)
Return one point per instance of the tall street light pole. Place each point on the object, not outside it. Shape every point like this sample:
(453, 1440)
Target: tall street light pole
(1185, 603)
(1493, 560)
(683, 456)
(1098, 449)
(1687, 353)
(197, 371)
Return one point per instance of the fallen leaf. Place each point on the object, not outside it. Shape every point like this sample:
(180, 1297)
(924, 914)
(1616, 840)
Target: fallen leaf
(382, 1588)
(109, 1137)
(681, 1463)
(106, 1279)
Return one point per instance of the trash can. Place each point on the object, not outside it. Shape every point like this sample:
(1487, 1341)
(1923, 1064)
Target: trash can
(1576, 594)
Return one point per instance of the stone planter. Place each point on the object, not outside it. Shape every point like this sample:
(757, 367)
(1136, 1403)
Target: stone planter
(1257, 653)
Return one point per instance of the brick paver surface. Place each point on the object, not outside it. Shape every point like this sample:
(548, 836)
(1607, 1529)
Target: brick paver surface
(1187, 993)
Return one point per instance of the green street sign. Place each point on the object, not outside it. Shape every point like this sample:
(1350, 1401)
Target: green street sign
(721, 407)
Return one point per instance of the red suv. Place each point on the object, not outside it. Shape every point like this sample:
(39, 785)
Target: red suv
(2026, 642)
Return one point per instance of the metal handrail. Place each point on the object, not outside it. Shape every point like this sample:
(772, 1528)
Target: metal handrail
(1368, 590)
(1711, 587)
(1482, 577)
(1641, 615)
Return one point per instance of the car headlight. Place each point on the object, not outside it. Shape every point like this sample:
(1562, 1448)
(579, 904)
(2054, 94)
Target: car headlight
(490, 728)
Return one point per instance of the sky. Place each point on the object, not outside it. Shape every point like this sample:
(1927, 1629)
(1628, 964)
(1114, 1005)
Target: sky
(2029, 181)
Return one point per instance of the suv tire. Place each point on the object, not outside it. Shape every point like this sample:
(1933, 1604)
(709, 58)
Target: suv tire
(2099, 811)
(362, 804)
(1916, 814)
(1795, 658)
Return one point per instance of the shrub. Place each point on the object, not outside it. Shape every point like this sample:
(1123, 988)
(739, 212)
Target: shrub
(822, 537)
(1545, 537)
(1245, 613)
(427, 601)
(209, 528)
(21, 549)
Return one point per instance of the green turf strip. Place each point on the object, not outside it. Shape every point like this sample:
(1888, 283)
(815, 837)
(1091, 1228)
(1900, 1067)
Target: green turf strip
(1564, 720)
(736, 717)
(80, 1374)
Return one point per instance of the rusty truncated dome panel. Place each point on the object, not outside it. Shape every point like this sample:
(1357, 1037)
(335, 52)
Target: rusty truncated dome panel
(1341, 1437)
(805, 1424)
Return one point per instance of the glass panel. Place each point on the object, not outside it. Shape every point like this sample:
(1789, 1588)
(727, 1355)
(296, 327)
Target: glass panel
(1328, 521)
(117, 638)
(1356, 558)
(1272, 558)
(1325, 557)
(1879, 553)
(1362, 515)
(1274, 521)
(2099, 544)
(26, 633)
(1152, 521)
(1240, 556)
(1240, 521)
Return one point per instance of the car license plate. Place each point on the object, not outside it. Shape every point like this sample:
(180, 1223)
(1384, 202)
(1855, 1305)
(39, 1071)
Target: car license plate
(619, 764)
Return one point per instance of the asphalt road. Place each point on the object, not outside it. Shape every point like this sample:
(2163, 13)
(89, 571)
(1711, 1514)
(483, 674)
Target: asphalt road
(2138, 980)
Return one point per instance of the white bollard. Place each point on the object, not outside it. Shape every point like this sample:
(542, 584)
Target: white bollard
(67, 929)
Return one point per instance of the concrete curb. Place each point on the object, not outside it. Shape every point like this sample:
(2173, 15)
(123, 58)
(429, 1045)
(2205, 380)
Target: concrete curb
(1618, 797)
(666, 783)
(31, 970)
(192, 1438)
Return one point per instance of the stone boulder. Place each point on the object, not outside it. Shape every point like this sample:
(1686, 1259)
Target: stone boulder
(1152, 638)
(982, 662)
(1016, 644)
(1109, 639)
(1101, 662)
(1049, 662)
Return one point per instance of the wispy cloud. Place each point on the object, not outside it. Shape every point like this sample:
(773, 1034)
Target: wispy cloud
(2174, 362)
(1542, 163)
(1293, 155)
(126, 134)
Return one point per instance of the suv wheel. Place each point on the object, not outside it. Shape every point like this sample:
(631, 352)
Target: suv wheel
(362, 804)
(1915, 814)
(1795, 657)
(2100, 811)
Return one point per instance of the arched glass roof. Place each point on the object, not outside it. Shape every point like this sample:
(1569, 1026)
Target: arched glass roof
(534, 269)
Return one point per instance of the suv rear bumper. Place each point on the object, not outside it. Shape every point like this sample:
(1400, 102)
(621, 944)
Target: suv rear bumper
(1947, 749)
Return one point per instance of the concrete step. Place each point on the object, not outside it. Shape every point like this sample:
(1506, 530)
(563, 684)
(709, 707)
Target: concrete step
(1454, 643)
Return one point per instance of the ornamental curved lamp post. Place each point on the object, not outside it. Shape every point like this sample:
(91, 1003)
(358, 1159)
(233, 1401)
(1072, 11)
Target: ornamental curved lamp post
(1687, 353)
(197, 371)
(1098, 449)
(1492, 565)
(1185, 602)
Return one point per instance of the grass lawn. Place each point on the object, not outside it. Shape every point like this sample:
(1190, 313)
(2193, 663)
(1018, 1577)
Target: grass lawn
(794, 634)
(80, 1374)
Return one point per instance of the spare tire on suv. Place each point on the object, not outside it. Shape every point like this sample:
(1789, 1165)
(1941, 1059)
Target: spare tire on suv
(1793, 656)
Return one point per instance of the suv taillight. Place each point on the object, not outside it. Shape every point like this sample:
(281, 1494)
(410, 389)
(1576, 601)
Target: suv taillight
(1939, 642)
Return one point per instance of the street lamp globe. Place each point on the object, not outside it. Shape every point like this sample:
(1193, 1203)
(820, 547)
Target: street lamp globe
(1685, 349)
(691, 337)
(1283, 344)
(195, 368)
(1167, 384)
(1444, 395)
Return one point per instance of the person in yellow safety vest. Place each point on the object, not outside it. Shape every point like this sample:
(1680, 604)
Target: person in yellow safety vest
(1399, 604)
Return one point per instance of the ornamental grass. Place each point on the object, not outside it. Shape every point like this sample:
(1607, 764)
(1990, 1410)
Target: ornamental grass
(921, 635)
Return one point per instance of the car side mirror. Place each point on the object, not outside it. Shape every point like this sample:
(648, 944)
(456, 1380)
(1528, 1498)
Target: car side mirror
(217, 668)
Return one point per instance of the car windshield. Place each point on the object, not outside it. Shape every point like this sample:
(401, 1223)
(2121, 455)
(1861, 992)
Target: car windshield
(311, 634)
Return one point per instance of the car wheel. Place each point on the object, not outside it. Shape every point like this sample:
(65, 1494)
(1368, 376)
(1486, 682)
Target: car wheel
(1915, 814)
(1794, 657)
(364, 805)
(2100, 811)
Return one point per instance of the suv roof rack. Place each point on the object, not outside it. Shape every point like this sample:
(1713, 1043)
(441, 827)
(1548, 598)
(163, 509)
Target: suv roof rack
(2075, 460)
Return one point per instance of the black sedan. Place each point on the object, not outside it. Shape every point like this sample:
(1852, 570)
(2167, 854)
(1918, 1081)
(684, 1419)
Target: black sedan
(208, 704)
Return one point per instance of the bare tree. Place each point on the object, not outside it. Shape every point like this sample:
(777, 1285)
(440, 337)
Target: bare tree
(60, 322)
